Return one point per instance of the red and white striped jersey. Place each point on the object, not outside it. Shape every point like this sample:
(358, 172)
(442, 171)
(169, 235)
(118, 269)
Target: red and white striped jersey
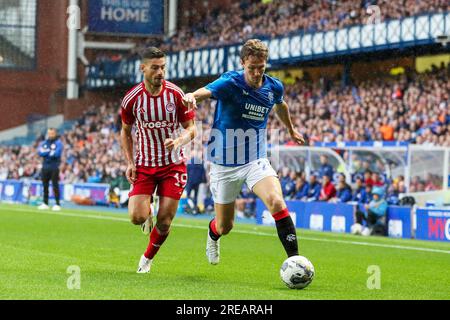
(157, 118)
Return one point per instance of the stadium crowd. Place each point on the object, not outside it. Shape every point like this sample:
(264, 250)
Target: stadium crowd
(92, 151)
(411, 107)
(247, 19)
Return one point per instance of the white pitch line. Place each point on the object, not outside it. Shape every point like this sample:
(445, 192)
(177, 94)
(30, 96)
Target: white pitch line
(99, 217)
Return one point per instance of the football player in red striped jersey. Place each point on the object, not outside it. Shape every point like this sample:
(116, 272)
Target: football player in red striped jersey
(155, 108)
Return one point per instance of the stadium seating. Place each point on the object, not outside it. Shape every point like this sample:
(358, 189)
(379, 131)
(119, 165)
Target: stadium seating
(411, 107)
(265, 19)
(419, 113)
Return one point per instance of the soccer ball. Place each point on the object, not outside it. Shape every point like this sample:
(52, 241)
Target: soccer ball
(297, 272)
(356, 228)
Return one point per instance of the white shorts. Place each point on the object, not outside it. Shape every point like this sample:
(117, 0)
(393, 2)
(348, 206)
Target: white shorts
(226, 182)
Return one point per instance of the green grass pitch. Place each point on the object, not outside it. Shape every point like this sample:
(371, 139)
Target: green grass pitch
(37, 248)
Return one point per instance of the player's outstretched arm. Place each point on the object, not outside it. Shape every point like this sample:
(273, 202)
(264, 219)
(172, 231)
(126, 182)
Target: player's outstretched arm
(191, 99)
(126, 140)
(187, 136)
(282, 111)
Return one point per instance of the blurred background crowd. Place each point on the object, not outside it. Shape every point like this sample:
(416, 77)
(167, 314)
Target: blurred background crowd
(248, 19)
(411, 107)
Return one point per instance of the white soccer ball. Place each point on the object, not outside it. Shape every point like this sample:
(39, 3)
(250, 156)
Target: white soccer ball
(297, 272)
(356, 228)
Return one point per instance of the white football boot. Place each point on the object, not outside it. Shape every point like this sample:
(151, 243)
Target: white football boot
(56, 208)
(144, 265)
(212, 250)
(43, 207)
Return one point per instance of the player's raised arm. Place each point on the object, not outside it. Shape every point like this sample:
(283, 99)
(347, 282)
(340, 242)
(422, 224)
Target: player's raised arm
(282, 111)
(191, 99)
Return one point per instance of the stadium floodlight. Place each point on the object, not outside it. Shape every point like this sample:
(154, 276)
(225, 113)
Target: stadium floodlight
(443, 39)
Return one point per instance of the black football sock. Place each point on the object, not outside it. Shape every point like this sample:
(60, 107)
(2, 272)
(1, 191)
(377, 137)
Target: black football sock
(288, 235)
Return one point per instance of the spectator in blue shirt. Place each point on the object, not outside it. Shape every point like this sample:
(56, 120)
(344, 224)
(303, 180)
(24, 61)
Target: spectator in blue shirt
(376, 210)
(284, 178)
(359, 195)
(51, 151)
(344, 191)
(369, 195)
(314, 188)
(301, 189)
(246, 202)
(393, 195)
(325, 168)
(289, 185)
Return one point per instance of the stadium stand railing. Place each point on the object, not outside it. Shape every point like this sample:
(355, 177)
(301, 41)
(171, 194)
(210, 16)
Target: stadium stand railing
(393, 34)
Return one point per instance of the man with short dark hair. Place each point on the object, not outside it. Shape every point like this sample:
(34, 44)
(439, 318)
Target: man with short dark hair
(51, 150)
(325, 167)
(156, 109)
(360, 191)
(328, 190)
(314, 188)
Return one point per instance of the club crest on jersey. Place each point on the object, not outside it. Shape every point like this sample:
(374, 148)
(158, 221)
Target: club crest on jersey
(270, 96)
(170, 107)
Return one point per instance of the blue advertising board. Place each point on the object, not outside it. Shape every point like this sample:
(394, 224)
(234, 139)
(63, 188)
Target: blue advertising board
(35, 189)
(11, 190)
(26, 191)
(126, 17)
(322, 216)
(336, 217)
(433, 224)
(399, 222)
(97, 192)
(263, 216)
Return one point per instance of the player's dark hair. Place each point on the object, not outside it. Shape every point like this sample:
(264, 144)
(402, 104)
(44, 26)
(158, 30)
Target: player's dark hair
(254, 47)
(152, 53)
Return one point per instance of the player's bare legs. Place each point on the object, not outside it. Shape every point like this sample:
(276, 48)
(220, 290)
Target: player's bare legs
(269, 191)
(167, 210)
(139, 209)
(166, 213)
(219, 226)
(224, 217)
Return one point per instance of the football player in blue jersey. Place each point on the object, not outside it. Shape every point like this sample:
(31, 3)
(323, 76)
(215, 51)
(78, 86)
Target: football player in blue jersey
(237, 144)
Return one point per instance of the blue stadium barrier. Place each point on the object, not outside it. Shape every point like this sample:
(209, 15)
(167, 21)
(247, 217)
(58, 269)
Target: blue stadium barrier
(399, 222)
(335, 217)
(321, 216)
(362, 144)
(11, 190)
(26, 191)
